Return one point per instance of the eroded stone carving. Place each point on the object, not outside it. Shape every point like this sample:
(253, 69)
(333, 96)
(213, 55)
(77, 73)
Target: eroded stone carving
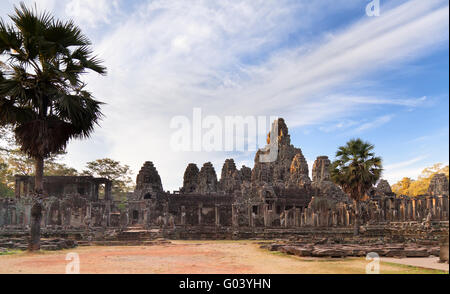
(438, 185)
(207, 179)
(231, 178)
(321, 169)
(278, 172)
(299, 172)
(384, 187)
(148, 177)
(246, 173)
(322, 185)
(190, 179)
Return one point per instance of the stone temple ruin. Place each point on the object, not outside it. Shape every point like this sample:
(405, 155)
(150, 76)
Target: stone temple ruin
(272, 200)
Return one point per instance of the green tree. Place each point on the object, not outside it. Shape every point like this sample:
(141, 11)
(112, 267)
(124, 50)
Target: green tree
(5, 191)
(414, 188)
(402, 187)
(119, 174)
(356, 169)
(42, 95)
(59, 169)
(18, 163)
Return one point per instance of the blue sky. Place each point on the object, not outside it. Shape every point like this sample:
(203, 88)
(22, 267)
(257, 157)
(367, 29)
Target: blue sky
(326, 67)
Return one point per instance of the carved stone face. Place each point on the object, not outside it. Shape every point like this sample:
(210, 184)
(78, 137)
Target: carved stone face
(148, 175)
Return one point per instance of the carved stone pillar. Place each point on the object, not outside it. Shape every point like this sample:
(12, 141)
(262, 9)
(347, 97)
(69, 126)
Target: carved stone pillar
(108, 187)
(433, 206)
(265, 214)
(250, 217)
(17, 188)
(234, 216)
(217, 212)
(108, 212)
(200, 212)
(296, 217)
(183, 215)
(286, 218)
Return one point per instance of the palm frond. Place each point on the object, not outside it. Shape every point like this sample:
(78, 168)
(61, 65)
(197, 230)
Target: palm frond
(43, 137)
(9, 38)
(41, 91)
(356, 168)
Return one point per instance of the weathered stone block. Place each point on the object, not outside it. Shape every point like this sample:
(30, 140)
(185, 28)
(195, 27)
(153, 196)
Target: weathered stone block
(416, 252)
(302, 251)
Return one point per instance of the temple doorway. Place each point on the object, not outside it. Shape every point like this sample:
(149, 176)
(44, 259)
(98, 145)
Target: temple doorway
(135, 217)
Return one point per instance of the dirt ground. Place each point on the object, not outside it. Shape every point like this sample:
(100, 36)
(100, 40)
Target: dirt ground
(189, 257)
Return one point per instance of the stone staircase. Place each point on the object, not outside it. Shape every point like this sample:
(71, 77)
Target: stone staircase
(131, 236)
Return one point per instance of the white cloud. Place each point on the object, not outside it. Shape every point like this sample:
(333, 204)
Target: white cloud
(402, 164)
(91, 12)
(172, 56)
(412, 102)
(374, 124)
(49, 5)
(336, 126)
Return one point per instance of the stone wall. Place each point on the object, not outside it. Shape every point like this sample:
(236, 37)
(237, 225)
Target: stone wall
(70, 202)
(438, 185)
(273, 195)
(61, 186)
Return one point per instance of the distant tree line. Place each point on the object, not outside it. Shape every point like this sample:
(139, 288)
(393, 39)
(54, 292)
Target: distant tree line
(414, 188)
(15, 162)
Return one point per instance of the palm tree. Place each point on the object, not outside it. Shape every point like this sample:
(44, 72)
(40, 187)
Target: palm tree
(356, 170)
(41, 94)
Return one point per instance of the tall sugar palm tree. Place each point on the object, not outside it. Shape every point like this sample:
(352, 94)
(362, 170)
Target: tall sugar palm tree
(356, 169)
(41, 92)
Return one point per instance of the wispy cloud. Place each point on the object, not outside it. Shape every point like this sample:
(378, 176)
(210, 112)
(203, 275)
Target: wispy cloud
(171, 56)
(337, 126)
(431, 137)
(405, 163)
(91, 12)
(412, 102)
(374, 124)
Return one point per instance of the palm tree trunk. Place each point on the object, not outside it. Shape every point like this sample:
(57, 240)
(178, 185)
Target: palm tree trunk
(39, 175)
(36, 210)
(356, 225)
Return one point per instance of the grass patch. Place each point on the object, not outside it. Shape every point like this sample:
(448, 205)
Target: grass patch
(409, 269)
(26, 252)
(312, 259)
(352, 265)
(278, 253)
(224, 241)
(10, 252)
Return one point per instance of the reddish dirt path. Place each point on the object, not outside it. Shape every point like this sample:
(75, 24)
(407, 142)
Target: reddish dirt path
(184, 257)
